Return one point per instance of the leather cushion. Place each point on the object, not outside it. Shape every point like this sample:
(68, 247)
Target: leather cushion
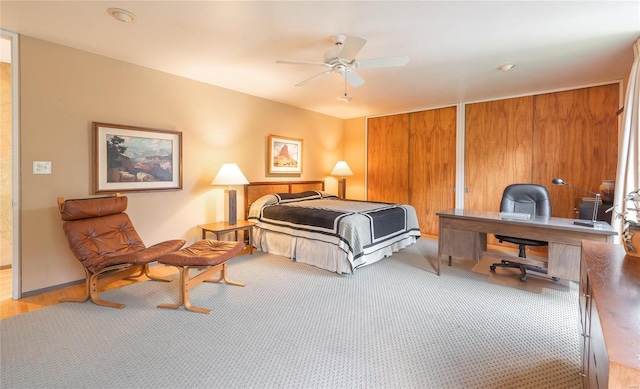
(203, 253)
(526, 198)
(111, 240)
(88, 208)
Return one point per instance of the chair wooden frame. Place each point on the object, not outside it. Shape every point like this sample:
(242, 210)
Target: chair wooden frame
(111, 274)
(96, 280)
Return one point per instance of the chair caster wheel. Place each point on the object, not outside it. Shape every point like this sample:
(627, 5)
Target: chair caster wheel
(523, 278)
(555, 279)
(492, 268)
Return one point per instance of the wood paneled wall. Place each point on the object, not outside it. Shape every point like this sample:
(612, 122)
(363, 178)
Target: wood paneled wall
(388, 159)
(572, 134)
(576, 138)
(432, 164)
(498, 150)
(424, 176)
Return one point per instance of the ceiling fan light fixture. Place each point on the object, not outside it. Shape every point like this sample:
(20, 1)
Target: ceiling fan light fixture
(346, 99)
(122, 15)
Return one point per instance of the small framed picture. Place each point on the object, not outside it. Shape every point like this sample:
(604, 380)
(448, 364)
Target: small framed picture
(136, 159)
(285, 155)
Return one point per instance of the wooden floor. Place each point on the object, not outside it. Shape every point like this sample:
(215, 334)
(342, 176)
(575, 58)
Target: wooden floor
(5, 283)
(9, 307)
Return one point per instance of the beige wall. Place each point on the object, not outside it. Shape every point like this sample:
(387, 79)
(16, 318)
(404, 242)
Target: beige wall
(6, 208)
(64, 90)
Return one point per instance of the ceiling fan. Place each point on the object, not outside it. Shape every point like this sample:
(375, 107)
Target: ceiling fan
(341, 59)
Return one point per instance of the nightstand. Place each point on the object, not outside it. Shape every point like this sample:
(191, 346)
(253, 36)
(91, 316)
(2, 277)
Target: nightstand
(224, 228)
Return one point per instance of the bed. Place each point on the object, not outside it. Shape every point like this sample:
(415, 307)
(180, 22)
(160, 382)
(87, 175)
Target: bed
(301, 221)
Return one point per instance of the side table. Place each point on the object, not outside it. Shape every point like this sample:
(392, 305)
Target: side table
(224, 228)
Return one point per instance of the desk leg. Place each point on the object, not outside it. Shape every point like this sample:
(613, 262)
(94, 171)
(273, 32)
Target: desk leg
(564, 261)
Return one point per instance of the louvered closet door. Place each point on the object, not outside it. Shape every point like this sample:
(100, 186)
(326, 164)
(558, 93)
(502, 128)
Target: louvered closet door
(432, 164)
(388, 158)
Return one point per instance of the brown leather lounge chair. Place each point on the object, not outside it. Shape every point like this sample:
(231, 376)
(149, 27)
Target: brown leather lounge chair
(102, 238)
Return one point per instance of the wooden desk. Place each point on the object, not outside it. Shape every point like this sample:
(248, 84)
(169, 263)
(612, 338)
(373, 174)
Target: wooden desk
(610, 317)
(463, 233)
(223, 228)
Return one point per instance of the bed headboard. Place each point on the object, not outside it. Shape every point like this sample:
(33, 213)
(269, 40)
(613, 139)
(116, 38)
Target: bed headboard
(255, 190)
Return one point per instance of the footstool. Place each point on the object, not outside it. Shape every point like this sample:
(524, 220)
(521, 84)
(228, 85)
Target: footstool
(210, 254)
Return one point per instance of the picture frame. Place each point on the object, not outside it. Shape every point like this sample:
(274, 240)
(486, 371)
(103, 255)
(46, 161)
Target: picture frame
(285, 155)
(136, 159)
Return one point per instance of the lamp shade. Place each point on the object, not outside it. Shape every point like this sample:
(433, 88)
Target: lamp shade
(341, 169)
(229, 174)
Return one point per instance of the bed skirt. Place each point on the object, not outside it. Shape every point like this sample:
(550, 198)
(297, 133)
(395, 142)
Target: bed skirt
(319, 254)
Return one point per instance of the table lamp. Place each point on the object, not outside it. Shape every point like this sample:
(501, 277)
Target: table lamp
(592, 223)
(342, 170)
(230, 174)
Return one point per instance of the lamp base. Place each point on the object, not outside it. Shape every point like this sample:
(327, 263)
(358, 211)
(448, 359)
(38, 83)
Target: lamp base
(584, 223)
(233, 213)
(342, 188)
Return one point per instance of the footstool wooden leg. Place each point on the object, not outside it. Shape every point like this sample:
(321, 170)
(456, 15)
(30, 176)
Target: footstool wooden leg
(184, 278)
(206, 254)
(223, 277)
(186, 284)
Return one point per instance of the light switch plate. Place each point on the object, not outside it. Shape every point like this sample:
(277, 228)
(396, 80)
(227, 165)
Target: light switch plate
(41, 167)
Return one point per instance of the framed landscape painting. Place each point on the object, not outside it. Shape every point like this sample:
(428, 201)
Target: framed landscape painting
(285, 155)
(136, 159)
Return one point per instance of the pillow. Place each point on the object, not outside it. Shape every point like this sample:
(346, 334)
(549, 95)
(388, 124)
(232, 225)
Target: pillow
(291, 197)
(327, 195)
(254, 210)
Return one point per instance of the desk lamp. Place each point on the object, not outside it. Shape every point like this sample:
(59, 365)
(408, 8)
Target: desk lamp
(342, 169)
(230, 174)
(592, 223)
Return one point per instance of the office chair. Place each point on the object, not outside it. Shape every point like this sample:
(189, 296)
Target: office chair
(534, 200)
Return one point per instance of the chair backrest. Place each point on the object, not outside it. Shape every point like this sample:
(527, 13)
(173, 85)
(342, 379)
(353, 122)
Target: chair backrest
(526, 198)
(98, 228)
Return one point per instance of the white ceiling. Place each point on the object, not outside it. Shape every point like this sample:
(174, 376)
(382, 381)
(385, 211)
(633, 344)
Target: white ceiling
(455, 47)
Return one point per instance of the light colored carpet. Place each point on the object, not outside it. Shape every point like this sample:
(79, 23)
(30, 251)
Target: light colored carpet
(394, 324)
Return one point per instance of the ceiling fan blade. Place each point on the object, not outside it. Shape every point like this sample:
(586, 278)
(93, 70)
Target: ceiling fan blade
(381, 62)
(352, 47)
(286, 61)
(331, 54)
(353, 78)
(312, 77)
